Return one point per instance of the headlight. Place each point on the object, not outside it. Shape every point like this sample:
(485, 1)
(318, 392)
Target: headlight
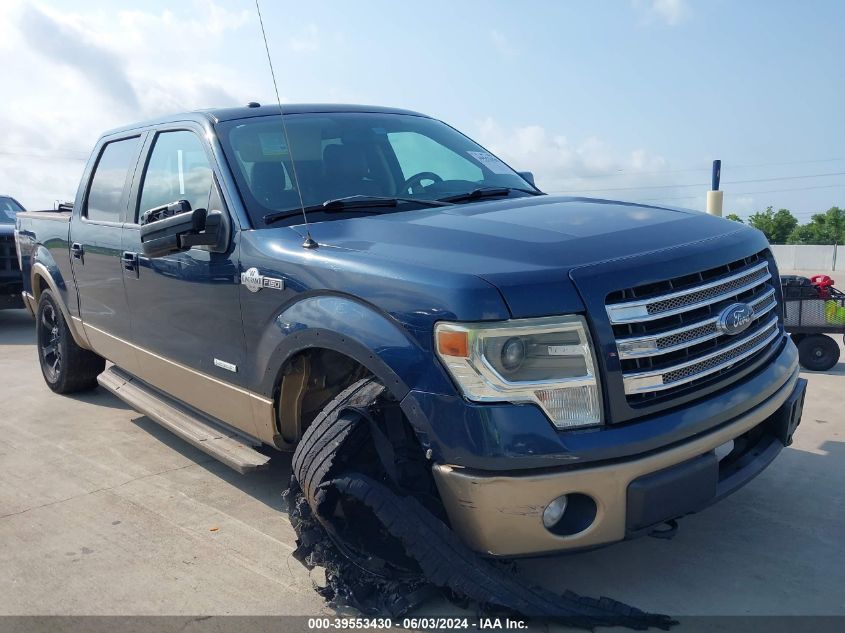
(546, 361)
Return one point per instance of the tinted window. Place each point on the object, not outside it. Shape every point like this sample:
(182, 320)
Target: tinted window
(106, 190)
(354, 153)
(8, 209)
(178, 169)
(418, 153)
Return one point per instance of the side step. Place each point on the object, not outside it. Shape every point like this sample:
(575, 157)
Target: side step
(224, 444)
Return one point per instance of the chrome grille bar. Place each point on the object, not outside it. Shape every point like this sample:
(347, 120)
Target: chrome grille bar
(686, 336)
(668, 377)
(690, 299)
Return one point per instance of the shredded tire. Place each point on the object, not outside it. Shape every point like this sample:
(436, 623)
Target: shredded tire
(324, 470)
(447, 563)
(320, 445)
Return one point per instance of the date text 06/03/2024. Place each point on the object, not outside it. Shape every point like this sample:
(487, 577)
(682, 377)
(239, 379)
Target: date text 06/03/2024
(432, 623)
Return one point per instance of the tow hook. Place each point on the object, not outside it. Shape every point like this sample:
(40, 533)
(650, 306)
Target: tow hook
(667, 530)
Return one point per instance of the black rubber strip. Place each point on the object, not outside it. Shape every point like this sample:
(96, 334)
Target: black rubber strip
(449, 564)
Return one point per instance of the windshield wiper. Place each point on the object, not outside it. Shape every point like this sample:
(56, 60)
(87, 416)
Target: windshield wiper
(486, 192)
(364, 204)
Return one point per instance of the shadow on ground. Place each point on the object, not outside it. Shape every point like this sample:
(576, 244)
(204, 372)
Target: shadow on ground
(17, 327)
(265, 485)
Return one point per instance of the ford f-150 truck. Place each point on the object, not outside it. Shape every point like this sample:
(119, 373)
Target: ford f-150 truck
(562, 372)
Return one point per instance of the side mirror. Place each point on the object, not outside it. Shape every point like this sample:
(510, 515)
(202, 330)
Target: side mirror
(527, 175)
(174, 227)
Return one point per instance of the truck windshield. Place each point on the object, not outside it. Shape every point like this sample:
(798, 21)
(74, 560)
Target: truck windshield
(338, 155)
(8, 208)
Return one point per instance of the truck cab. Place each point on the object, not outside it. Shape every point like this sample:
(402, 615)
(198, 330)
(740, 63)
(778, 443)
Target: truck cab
(572, 371)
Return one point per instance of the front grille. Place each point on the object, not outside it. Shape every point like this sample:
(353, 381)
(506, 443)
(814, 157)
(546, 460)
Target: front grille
(668, 336)
(8, 256)
(754, 277)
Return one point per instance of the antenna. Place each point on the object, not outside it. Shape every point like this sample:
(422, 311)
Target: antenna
(309, 242)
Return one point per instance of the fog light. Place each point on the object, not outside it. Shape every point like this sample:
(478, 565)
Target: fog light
(554, 511)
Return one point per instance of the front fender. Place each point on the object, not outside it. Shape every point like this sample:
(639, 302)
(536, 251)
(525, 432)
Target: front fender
(358, 330)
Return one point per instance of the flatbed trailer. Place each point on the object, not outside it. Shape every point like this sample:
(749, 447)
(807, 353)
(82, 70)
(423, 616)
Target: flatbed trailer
(812, 314)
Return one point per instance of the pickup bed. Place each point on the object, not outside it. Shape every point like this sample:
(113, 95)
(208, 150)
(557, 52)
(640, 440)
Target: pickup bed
(552, 372)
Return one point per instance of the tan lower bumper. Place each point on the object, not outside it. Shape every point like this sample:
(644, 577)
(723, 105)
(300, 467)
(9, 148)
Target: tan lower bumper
(502, 515)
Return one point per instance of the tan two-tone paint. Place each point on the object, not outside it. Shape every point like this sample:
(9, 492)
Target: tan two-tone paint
(503, 515)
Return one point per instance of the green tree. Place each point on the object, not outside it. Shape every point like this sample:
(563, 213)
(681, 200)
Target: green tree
(776, 225)
(823, 228)
(734, 217)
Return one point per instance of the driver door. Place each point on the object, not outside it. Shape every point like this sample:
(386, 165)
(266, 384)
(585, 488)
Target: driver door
(186, 319)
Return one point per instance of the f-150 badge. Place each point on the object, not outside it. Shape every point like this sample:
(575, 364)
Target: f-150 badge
(255, 281)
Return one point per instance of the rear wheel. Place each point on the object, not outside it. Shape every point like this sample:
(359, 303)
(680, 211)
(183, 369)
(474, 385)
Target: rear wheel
(66, 367)
(818, 352)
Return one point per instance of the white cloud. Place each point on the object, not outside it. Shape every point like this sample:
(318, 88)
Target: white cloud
(69, 75)
(670, 12)
(502, 44)
(307, 41)
(741, 205)
(69, 47)
(562, 166)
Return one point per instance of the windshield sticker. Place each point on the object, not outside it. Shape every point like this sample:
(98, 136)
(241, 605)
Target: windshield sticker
(491, 162)
(272, 144)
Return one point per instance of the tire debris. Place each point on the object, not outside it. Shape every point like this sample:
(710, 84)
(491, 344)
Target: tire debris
(370, 575)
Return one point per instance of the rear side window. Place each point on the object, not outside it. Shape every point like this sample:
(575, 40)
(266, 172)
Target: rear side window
(178, 169)
(106, 191)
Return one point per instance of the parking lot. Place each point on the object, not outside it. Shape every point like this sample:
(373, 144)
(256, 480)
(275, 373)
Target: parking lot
(102, 512)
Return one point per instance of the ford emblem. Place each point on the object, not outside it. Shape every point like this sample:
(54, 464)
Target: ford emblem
(735, 318)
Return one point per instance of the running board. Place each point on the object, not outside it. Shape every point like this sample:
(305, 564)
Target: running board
(224, 444)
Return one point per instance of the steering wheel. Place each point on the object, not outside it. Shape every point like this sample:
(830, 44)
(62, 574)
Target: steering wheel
(414, 183)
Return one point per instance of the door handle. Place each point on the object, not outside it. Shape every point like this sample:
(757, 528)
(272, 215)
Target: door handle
(130, 261)
(76, 250)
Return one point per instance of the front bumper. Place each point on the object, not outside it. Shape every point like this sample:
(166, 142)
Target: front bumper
(501, 515)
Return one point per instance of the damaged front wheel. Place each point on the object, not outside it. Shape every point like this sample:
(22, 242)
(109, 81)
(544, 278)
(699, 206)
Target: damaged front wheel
(365, 508)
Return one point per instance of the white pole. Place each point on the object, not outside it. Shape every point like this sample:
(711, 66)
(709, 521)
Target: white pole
(714, 202)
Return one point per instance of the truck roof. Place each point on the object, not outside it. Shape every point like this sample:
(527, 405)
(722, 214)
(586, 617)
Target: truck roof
(253, 110)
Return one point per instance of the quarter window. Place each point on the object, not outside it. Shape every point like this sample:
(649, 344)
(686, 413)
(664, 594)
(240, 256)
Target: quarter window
(178, 169)
(106, 192)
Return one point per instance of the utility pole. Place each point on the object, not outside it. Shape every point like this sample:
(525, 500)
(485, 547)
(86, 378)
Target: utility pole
(714, 196)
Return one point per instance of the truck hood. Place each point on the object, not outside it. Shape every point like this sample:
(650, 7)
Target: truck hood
(526, 247)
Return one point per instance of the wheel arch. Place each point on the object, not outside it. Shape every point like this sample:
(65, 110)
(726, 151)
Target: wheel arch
(315, 334)
(50, 278)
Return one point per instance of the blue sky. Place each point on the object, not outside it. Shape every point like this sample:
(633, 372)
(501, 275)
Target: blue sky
(628, 99)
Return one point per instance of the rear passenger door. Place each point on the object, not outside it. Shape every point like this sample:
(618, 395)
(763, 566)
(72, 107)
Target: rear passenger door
(186, 318)
(96, 237)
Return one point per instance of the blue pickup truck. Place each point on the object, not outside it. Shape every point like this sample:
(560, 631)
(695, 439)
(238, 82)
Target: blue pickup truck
(545, 373)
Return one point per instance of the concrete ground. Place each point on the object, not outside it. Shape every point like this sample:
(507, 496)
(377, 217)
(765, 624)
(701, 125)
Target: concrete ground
(102, 512)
